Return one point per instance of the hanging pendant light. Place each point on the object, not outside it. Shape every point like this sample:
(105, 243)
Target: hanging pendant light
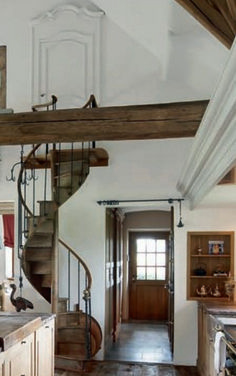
(180, 224)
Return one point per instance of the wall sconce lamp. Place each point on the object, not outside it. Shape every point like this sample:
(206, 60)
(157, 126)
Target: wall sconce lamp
(180, 224)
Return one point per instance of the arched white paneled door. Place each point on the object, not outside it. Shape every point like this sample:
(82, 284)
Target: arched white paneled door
(66, 47)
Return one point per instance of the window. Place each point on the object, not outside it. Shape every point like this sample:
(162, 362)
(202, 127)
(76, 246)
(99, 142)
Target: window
(7, 238)
(151, 258)
(9, 262)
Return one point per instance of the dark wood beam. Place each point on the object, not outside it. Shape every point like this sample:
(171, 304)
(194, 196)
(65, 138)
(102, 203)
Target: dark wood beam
(217, 16)
(168, 120)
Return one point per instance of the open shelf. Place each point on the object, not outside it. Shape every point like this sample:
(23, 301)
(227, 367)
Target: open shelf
(209, 253)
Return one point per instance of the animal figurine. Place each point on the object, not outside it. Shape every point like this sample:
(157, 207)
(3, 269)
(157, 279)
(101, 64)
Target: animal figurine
(203, 291)
(19, 302)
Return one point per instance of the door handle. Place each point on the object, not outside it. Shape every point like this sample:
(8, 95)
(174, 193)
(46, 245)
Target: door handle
(134, 277)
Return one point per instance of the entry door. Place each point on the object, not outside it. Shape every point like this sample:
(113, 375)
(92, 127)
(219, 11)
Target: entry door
(148, 275)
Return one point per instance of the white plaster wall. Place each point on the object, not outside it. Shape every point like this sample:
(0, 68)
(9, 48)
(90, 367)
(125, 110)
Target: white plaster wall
(214, 219)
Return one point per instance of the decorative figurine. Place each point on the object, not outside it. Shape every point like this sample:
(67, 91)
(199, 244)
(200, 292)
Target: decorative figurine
(19, 302)
(203, 291)
(216, 292)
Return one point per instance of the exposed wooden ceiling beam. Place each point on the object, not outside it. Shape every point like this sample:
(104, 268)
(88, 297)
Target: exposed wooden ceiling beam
(217, 16)
(169, 120)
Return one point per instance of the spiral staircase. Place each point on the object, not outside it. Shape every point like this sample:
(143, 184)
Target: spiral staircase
(49, 175)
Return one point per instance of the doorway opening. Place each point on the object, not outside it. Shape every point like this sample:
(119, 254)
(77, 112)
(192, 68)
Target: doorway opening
(144, 325)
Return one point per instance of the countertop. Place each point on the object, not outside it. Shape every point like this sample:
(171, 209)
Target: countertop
(223, 308)
(217, 310)
(16, 326)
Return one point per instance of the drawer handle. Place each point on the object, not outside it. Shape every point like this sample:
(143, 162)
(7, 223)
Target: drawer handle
(23, 342)
(46, 326)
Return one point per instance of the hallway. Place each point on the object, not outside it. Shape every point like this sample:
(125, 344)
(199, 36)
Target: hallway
(142, 342)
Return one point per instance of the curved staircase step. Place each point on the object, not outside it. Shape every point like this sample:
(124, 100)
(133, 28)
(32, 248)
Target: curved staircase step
(41, 267)
(47, 208)
(46, 280)
(66, 364)
(73, 334)
(40, 240)
(40, 225)
(67, 319)
(74, 350)
(38, 254)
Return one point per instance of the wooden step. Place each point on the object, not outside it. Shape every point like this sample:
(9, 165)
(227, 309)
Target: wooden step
(74, 350)
(74, 182)
(47, 208)
(62, 305)
(41, 267)
(64, 168)
(66, 364)
(68, 319)
(40, 225)
(62, 194)
(71, 335)
(46, 280)
(40, 240)
(38, 254)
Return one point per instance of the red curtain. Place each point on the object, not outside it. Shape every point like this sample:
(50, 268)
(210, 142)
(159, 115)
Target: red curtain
(8, 230)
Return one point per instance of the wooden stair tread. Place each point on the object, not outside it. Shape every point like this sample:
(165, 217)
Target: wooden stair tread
(40, 225)
(65, 363)
(40, 240)
(46, 280)
(38, 254)
(39, 162)
(41, 267)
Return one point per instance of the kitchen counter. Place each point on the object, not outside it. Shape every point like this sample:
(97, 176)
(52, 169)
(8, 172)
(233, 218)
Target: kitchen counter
(16, 326)
(223, 308)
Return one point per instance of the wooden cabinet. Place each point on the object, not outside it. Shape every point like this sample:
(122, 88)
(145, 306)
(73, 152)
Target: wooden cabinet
(44, 339)
(209, 265)
(2, 364)
(19, 360)
(206, 351)
(28, 355)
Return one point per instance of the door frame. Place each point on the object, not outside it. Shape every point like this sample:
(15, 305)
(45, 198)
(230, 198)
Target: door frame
(125, 296)
(160, 284)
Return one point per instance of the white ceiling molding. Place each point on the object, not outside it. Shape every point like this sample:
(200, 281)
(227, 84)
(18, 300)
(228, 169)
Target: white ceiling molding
(213, 152)
(66, 45)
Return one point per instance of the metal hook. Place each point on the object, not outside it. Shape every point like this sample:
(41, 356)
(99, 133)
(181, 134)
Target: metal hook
(32, 176)
(12, 177)
(24, 179)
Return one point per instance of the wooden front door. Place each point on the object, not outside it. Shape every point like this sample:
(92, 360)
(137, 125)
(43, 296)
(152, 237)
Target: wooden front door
(148, 274)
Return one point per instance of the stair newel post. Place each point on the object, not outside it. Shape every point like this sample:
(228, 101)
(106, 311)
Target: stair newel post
(55, 266)
(72, 167)
(59, 175)
(78, 281)
(86, 298)
(45, 179)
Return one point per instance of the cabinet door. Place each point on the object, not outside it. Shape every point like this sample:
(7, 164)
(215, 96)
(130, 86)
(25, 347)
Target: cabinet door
(20, 358)
(2, 364)
(45, 350)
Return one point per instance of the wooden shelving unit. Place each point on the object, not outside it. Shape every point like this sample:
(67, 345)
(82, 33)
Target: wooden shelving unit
(217, 262)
